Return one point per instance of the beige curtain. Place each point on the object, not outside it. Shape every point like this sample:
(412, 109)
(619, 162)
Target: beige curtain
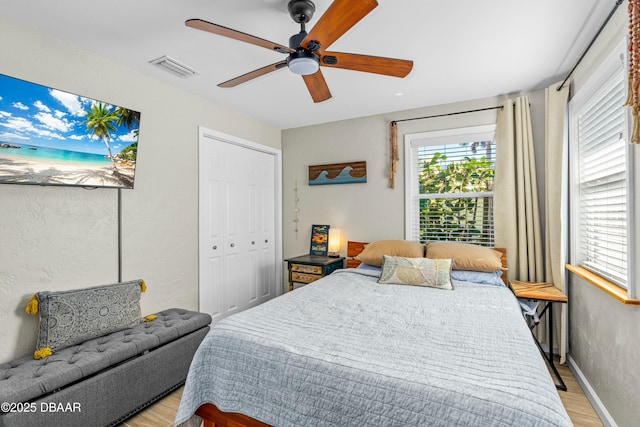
(517, 215)
(555, 183)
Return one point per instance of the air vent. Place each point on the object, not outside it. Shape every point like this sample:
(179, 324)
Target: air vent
(174, 67)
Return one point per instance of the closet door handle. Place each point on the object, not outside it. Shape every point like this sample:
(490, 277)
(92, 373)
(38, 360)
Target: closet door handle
(253, 242)
(233, 245)
(214, 247)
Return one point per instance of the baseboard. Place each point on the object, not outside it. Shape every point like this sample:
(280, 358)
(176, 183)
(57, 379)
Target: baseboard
(597, 404)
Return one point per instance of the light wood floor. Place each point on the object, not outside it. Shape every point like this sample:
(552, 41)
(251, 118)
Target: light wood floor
(163, 412)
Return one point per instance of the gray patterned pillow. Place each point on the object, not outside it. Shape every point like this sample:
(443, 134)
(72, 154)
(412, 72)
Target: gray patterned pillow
(71, 317)
(434, 273)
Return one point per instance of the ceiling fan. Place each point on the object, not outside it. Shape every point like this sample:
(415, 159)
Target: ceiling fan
(307, 51)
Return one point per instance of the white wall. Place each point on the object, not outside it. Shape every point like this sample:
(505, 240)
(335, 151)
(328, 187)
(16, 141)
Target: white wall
(55, 238)
(370, 211)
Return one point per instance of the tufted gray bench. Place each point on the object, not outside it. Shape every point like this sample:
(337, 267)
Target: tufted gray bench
(103, 381)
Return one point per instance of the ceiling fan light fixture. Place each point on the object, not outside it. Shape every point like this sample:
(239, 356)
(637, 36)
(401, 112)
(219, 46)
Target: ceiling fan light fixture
(304, 66)
(303, 63)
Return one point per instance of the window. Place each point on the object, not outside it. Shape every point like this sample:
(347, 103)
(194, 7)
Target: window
(449, 185)
(601, 187)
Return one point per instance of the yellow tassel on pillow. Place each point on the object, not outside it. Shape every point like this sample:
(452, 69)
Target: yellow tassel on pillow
(143, 286)
(32, 306)
(42, 353)
(150, 318)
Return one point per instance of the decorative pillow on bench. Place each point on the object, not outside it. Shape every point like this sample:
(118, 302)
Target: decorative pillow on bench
(71, 317)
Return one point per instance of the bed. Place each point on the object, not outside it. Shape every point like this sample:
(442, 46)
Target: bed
(348, 351)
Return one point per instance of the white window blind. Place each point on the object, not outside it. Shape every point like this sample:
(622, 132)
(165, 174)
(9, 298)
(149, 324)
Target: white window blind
(450, 183)
(602, 235)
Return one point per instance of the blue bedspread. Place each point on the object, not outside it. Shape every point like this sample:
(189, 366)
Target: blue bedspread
(347, 351)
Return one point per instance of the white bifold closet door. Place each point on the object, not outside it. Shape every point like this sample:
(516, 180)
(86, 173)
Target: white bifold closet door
(237, 227)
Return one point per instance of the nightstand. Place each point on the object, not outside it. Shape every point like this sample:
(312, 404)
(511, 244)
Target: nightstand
(549, 294)
(309, 268)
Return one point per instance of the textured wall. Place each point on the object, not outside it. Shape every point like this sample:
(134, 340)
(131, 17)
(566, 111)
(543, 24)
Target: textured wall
(604, 337)
(55, 238)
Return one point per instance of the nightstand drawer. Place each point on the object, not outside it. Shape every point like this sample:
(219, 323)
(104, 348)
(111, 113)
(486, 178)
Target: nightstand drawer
(303, 268)
(309, 268)
(303, 278)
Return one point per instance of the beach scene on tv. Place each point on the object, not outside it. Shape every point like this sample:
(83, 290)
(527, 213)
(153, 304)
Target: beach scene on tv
(51, 137)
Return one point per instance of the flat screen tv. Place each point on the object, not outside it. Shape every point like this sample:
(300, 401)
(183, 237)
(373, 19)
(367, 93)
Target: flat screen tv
(51, 137)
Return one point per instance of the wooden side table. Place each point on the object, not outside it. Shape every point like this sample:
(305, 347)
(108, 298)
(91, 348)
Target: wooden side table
(549, 294)
(309, 268)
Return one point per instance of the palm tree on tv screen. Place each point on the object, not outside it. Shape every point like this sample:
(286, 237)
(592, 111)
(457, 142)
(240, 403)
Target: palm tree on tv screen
(100, 122)
(128, 118)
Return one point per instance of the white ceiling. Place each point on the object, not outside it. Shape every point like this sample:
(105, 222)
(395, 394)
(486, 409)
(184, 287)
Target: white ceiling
(462, 50)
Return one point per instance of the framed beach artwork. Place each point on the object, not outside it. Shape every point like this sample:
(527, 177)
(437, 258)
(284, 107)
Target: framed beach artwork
(51, 137)
(338, 173)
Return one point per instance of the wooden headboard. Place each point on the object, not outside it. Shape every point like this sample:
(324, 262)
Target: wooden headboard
(503, 258)
(354, 249)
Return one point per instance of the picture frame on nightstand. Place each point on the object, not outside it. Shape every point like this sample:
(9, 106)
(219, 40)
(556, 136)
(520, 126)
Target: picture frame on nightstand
(319, 240)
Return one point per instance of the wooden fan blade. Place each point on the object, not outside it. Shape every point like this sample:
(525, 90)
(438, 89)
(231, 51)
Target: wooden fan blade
(337, 20)
(210, 27)
(253, 74)
(317, 86)
(369, 64)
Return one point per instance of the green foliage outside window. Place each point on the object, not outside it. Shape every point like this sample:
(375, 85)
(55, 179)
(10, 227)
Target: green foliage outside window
(467, 219)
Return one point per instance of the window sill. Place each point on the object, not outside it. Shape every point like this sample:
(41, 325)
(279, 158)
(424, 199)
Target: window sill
(615, 291)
